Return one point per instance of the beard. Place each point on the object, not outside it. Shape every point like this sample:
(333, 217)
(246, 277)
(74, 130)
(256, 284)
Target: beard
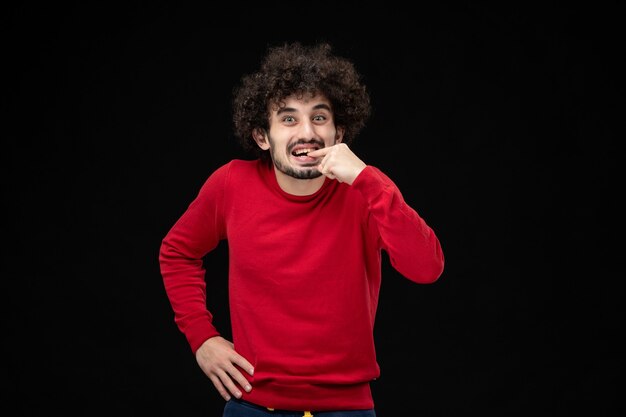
(306, 172)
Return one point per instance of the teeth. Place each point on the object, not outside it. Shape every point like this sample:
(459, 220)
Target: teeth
(301, 152)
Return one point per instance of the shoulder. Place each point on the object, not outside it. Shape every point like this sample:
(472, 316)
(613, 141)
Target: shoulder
(243, 164)
(236, 170)
(232, 174)
(234, 166)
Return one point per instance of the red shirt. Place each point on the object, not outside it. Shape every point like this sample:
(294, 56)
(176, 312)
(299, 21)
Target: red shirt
(304, 278)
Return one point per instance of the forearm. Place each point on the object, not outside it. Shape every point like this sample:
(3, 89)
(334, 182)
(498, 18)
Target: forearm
(413, 247)
(185, 286)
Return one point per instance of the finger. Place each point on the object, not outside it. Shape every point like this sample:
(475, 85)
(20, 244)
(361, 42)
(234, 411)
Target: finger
(240, 379)
(319, 152)
(238, 376)
(327, 172)
(244, 364)
(323, 165)
(228, 383)
(220, 387)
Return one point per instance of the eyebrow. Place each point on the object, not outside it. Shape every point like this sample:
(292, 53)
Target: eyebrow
(292, 110)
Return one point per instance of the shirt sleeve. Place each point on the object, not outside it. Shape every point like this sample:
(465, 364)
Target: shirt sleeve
(197, 232)
(413, 248)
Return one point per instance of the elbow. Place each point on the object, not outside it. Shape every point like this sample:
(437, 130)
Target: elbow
(434, 269)
(436, 266)
(433, 272)
(427, 272)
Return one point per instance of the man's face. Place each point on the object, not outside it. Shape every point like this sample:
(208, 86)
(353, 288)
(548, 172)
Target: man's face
(302, 125)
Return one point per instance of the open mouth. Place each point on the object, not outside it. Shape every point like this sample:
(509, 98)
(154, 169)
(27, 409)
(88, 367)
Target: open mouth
(301, 152)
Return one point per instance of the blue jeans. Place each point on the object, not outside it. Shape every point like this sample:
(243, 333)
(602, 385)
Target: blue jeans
(240, 408)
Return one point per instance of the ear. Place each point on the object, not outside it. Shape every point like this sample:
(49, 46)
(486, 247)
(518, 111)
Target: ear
(260, 137)
(339, 134)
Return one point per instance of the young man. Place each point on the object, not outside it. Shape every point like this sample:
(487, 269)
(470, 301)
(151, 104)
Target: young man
(305, 223)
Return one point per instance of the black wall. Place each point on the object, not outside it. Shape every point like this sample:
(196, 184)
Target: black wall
(496, 122)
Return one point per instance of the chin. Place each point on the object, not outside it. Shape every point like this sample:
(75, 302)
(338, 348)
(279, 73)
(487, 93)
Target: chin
(303, 173)
(307, 174)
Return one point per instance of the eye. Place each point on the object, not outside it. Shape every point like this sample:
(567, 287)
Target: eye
(289, 119)
(319, 118)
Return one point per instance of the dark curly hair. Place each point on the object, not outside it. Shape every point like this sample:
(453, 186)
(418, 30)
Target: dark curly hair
(294, 68)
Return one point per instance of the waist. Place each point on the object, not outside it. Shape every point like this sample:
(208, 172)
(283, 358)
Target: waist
(241, 407)
(311, 397)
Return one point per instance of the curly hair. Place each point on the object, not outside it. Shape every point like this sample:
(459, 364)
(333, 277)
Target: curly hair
(297, 69)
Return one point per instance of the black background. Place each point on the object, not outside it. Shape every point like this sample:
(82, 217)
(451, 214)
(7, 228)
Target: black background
(496, 121)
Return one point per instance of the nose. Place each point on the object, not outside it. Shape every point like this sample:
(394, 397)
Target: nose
(307, 129)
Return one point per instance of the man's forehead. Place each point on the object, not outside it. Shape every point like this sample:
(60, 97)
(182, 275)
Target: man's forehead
(301, 103)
